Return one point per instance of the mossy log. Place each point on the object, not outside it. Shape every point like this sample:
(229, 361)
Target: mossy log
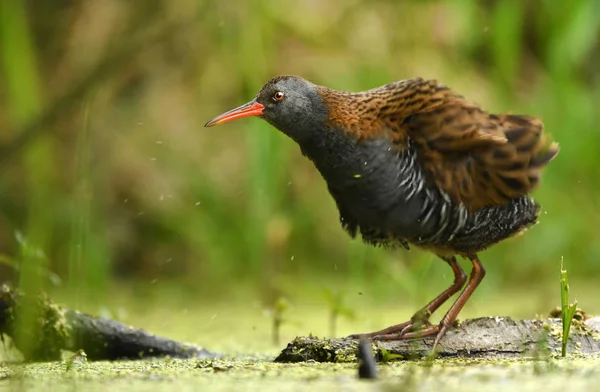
(491, 337)
(55, 328)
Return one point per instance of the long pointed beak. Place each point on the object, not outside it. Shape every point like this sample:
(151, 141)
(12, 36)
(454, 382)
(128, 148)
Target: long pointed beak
(252, 108)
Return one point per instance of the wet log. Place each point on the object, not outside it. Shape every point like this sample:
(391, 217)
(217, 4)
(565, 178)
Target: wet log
(55, 328)
(486, 337)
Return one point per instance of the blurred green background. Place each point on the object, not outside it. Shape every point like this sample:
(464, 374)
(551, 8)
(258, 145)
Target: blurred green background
(114, 197)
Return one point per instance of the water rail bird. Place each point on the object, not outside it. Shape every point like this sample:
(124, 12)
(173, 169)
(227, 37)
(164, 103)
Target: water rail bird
(414, 163)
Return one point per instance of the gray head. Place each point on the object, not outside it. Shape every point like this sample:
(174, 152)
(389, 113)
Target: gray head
(289, 103)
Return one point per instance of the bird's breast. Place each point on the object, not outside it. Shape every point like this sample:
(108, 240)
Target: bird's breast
(377, 185)
(384, 192)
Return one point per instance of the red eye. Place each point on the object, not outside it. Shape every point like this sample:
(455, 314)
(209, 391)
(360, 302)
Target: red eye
(278, 96)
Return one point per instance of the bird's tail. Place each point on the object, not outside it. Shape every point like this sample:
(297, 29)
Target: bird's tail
(527, 151)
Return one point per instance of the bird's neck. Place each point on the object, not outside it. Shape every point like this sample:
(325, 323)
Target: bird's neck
(372, 113)
(333, 152)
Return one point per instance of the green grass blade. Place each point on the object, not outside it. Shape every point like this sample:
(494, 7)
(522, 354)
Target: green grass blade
(568, 310)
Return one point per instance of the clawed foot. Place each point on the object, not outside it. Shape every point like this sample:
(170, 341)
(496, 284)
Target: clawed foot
(407, 330)
(393, 330)
(417, 324)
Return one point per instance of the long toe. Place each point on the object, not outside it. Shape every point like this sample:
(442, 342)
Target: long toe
(359, 336)
(421, 333)
(414, 327)
(394, 329)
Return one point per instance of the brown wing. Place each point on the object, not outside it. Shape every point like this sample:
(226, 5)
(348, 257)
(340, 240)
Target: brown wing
(478, 158)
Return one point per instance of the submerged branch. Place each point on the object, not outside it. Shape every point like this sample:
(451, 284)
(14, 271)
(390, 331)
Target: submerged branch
(58, 328)
(497, 337)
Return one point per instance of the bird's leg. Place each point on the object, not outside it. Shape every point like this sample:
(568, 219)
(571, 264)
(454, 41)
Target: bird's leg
(421, 318)
(477, 274)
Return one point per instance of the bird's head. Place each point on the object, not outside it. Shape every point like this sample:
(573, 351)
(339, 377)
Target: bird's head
(291, 104)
